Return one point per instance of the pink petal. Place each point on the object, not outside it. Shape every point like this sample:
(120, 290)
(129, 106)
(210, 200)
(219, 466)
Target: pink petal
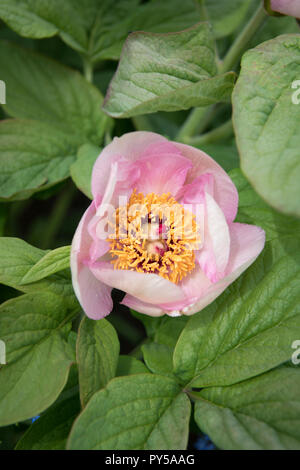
(214, 254)
(287, 7)
(82, 240)
(149, 288)
(130, 146)
(93, 295)
(247, 241)
(213, 257)
(225, 192)
(163, 169)
(194, 193)
(122, 179)
(142, 307)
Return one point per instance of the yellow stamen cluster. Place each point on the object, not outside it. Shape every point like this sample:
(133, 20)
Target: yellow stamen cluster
(154, 234)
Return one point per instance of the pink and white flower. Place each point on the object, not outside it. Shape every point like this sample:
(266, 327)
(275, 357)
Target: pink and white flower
(156, 278)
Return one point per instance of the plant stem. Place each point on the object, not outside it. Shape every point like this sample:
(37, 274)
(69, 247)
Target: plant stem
(200, 6)
(239, 45)
(208, 114)
(193, 395)
(191, 125)
(58, 216)
(88, 69)
(196, 116)
(222, 132)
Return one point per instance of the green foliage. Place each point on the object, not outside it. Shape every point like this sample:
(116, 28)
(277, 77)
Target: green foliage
(266, 121)
(53, 262)
(96, 28)
(135, 412)
(81, 169)
(128, 365)
(110, 34)
(56, 116)
(167, 73)
(97, 356)
(253, 210)
(41, 19)
(17, 258)
(225, 16)
(50, 432)
(33, 327)
(3, 218)
(51, 93)
(261, 413)
(34, 156)
(250, 328)
(158, 358)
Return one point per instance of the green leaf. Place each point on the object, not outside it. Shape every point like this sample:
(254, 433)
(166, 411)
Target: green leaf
(266, 121)
(96, 28)
(150, 323)
(261, 413)
(33, 327)
(71, 388)
(18, 257)
(3, 218)
(128, 365)
(169, 331)
(40, 19)
(97, 356)
(250, 328)
(253, 210)
(59, 111)
(99, 28)
(141, 411)
(81, 170)
(115, 19)
(164, 331)
(53, 262)
(225, 16)
(34, 156)
(50, 431)
(158, 358)
(274, 26)
(167, 72)
(46, 91)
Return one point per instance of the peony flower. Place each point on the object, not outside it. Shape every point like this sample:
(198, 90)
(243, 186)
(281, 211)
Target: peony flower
(160, 228)
(286, 7)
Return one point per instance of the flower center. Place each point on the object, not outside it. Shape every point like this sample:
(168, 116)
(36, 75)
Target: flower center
(155, 247)
(154, 234)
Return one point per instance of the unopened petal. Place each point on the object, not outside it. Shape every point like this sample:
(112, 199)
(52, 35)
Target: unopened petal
(225, 192)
